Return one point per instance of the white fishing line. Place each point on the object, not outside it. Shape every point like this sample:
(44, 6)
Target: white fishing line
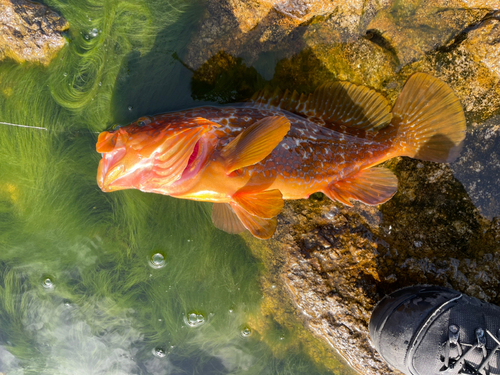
(23, 126)
(33, 127)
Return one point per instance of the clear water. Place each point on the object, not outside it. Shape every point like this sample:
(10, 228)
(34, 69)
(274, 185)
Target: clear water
(123, 283)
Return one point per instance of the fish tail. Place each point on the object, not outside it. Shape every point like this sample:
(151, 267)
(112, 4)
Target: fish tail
(428, 121)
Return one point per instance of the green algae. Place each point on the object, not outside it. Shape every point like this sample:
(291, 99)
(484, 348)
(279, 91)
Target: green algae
(76, 289)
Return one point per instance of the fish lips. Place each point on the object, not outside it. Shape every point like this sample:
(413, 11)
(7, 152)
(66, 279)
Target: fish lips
(167, 167)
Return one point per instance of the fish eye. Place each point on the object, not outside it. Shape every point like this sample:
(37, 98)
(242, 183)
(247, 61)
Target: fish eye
(143, 121)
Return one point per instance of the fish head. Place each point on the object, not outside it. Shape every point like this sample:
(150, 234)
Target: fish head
(159, 155)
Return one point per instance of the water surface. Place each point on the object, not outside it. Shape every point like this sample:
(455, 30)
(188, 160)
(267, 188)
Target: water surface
(123, 283)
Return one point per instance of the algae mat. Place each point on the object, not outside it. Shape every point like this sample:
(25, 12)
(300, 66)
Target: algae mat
(122, 283)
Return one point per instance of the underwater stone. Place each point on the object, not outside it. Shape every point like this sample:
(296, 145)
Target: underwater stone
(30, 31)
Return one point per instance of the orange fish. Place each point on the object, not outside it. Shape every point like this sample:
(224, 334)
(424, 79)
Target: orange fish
(248, 158)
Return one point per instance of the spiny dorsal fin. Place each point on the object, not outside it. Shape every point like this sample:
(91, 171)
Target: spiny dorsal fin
(225, 219)
(260, 227)
(337, 103)
(371, 186)
(255, 143)
(265, 204)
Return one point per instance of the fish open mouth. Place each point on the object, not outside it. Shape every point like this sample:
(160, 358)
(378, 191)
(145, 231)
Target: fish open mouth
(162, 164)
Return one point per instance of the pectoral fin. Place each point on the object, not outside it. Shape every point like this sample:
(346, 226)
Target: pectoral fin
(225, 219)
(371, 186)
(260, 227)
(255, 143)
(265, 204)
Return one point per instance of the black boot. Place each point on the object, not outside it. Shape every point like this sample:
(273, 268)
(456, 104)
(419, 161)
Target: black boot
(430, 330)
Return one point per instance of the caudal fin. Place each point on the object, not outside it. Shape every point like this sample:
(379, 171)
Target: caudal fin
(429, 120)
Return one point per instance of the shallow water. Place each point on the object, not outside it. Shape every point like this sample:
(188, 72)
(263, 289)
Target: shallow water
(123, 283)
(135, 283)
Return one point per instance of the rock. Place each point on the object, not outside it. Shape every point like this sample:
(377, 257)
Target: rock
(442, 227)
(412, 28)
(478, 168)
(341, 261)
(248, 28)
(30, 31)
(484, 43)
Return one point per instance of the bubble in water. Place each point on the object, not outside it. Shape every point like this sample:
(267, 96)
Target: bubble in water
(94, 32)
(130, 108)
(47, 283)
(87, 37)
(245, 332)
(159, 352)
(157, 260)
(65, 74)
(194, 319)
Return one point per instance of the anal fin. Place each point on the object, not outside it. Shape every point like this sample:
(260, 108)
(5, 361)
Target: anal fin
(265, 204)
(262, 228)
(371, 186)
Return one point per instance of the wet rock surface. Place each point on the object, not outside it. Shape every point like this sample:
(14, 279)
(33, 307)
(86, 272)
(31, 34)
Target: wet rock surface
(443, 225)
(30, 31)
(341, 261)
(248, 28)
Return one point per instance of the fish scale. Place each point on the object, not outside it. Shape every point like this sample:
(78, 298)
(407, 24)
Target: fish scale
(310, 155)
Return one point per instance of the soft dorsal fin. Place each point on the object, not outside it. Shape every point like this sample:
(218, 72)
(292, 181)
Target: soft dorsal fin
(265, 204)
(260, 227)
(371, 186)
(255, 143)
(225, 219)
(338, 103)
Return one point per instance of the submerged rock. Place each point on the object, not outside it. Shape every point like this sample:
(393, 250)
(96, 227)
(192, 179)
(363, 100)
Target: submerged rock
(30, 31)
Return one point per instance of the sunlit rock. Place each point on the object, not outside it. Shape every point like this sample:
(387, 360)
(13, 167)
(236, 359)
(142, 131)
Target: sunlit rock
(247, 28)
(484, 43)
(30, 31)
(412, 28)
